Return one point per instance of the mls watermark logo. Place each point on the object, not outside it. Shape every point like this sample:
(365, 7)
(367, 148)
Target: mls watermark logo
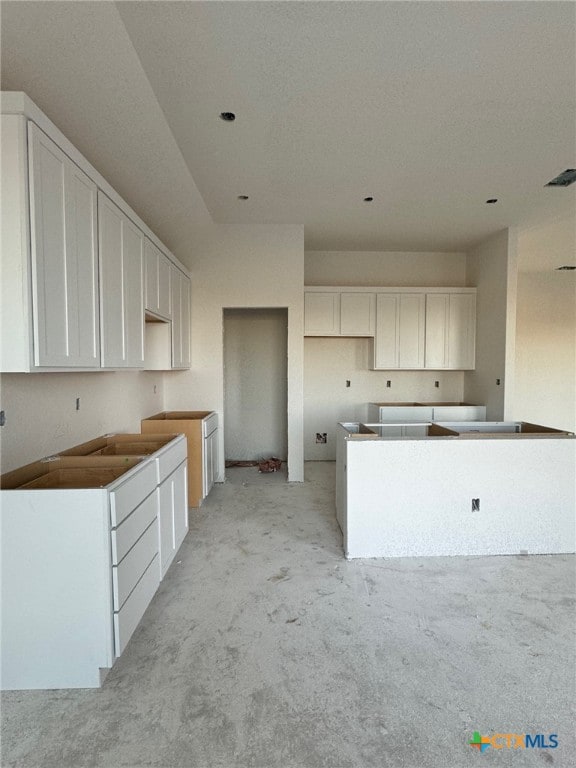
(514, 741)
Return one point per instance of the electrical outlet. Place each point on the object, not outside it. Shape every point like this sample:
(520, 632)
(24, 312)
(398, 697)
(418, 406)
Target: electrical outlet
(77, 403)
(2, 418)
(388, 383)
(321, 437)
(475, 505)
(436, 383)
(347, 382)
(497, 382)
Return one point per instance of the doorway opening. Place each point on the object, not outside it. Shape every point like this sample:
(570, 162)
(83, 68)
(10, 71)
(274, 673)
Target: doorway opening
(255, 384)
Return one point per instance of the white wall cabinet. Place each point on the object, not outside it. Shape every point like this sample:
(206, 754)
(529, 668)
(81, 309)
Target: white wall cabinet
(399, 337)
(121, 246)
(157, 283)
(450, 331)
(339, 313)
(73, 288)
(180, 290)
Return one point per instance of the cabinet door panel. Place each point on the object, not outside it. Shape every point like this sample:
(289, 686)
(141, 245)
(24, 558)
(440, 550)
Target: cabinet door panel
(111, 283)
(321, 314)
(411, 327)
(357, 312)
(164, 302)
(387, 332)
(166, 525)
(82, 292)
(48, 217)
(180, 505)
(185, 321)
(64, 257)
(151, 263)
(132, 247)
(462, 331)
(437, 308)
(176, 318)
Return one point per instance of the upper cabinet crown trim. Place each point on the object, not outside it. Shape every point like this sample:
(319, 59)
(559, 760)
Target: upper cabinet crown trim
(18, 103)
(388, 289)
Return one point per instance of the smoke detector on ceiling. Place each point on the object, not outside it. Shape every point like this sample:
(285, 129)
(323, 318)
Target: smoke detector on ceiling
(564, 179)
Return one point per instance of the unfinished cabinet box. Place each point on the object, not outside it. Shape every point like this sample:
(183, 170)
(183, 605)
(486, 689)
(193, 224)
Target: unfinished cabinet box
(200, 429)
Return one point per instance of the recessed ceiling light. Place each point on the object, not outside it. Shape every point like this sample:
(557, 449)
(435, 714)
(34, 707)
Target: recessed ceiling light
(566, 268)
(564, 179)
(229, 117)
(368, 199)
(243, 197)
(492, 200)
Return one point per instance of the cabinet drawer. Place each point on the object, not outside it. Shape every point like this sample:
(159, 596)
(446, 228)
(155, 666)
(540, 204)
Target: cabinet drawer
(126, 620)
(128, 572)
(127, 496)
(170, 458)
(127, 534)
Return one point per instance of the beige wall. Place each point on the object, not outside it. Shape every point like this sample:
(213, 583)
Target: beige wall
(41, 415)
(384, 268)
(243, 266)
(545, 391)
(491, 267)
(255, 384)
(330, 362)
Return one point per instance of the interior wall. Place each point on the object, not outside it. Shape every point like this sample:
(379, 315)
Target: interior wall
(244, 266)
(255, 384)
(41, 415)
(330, 362)
(401, 269)
(491, 267)
(546, 325)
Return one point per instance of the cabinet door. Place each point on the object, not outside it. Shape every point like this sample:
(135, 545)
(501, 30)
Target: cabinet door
(411, 330)
(321, 314)
(180, 495)
(437, 313)
(357, 314)
(121, 288)
(64, 261)
(209, 463)
(133, 287)
(180, 291)
(166, 543)
(399, 336)
(462, 331)
(386, 337)
(157, 280)
(450, 330)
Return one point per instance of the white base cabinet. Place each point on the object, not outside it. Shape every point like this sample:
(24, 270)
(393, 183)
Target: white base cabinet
(80, 563)
(390, 412)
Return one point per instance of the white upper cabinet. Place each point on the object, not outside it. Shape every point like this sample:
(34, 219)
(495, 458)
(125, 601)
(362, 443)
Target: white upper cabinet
(399, 338)
(157, 281)
(451, 331)
(78, 266)
(121, 287)
(357, 313)
(180, 290)
(339, 313)
(64, 258)
(322, 314)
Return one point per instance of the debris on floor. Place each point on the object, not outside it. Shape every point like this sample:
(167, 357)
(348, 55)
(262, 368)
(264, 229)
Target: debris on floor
(270, 465)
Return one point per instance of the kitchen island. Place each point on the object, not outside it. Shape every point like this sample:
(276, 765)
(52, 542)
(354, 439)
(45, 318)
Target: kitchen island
(460, 489)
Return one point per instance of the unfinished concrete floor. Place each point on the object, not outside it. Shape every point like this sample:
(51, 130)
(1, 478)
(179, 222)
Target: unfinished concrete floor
(263, 647)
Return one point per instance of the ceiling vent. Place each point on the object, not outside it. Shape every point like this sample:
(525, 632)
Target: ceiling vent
(566, 178)
(566, 268)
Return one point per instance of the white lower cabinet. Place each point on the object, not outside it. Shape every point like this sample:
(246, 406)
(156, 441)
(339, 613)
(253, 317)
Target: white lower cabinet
(82, 537)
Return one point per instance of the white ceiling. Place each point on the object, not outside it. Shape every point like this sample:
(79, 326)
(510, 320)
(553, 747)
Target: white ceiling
(429, 107)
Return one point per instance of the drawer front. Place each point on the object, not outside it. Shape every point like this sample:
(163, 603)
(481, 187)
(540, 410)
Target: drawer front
(129, 531)
(128, 572)
(127, 496)
(126, 620)
(171, 457)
